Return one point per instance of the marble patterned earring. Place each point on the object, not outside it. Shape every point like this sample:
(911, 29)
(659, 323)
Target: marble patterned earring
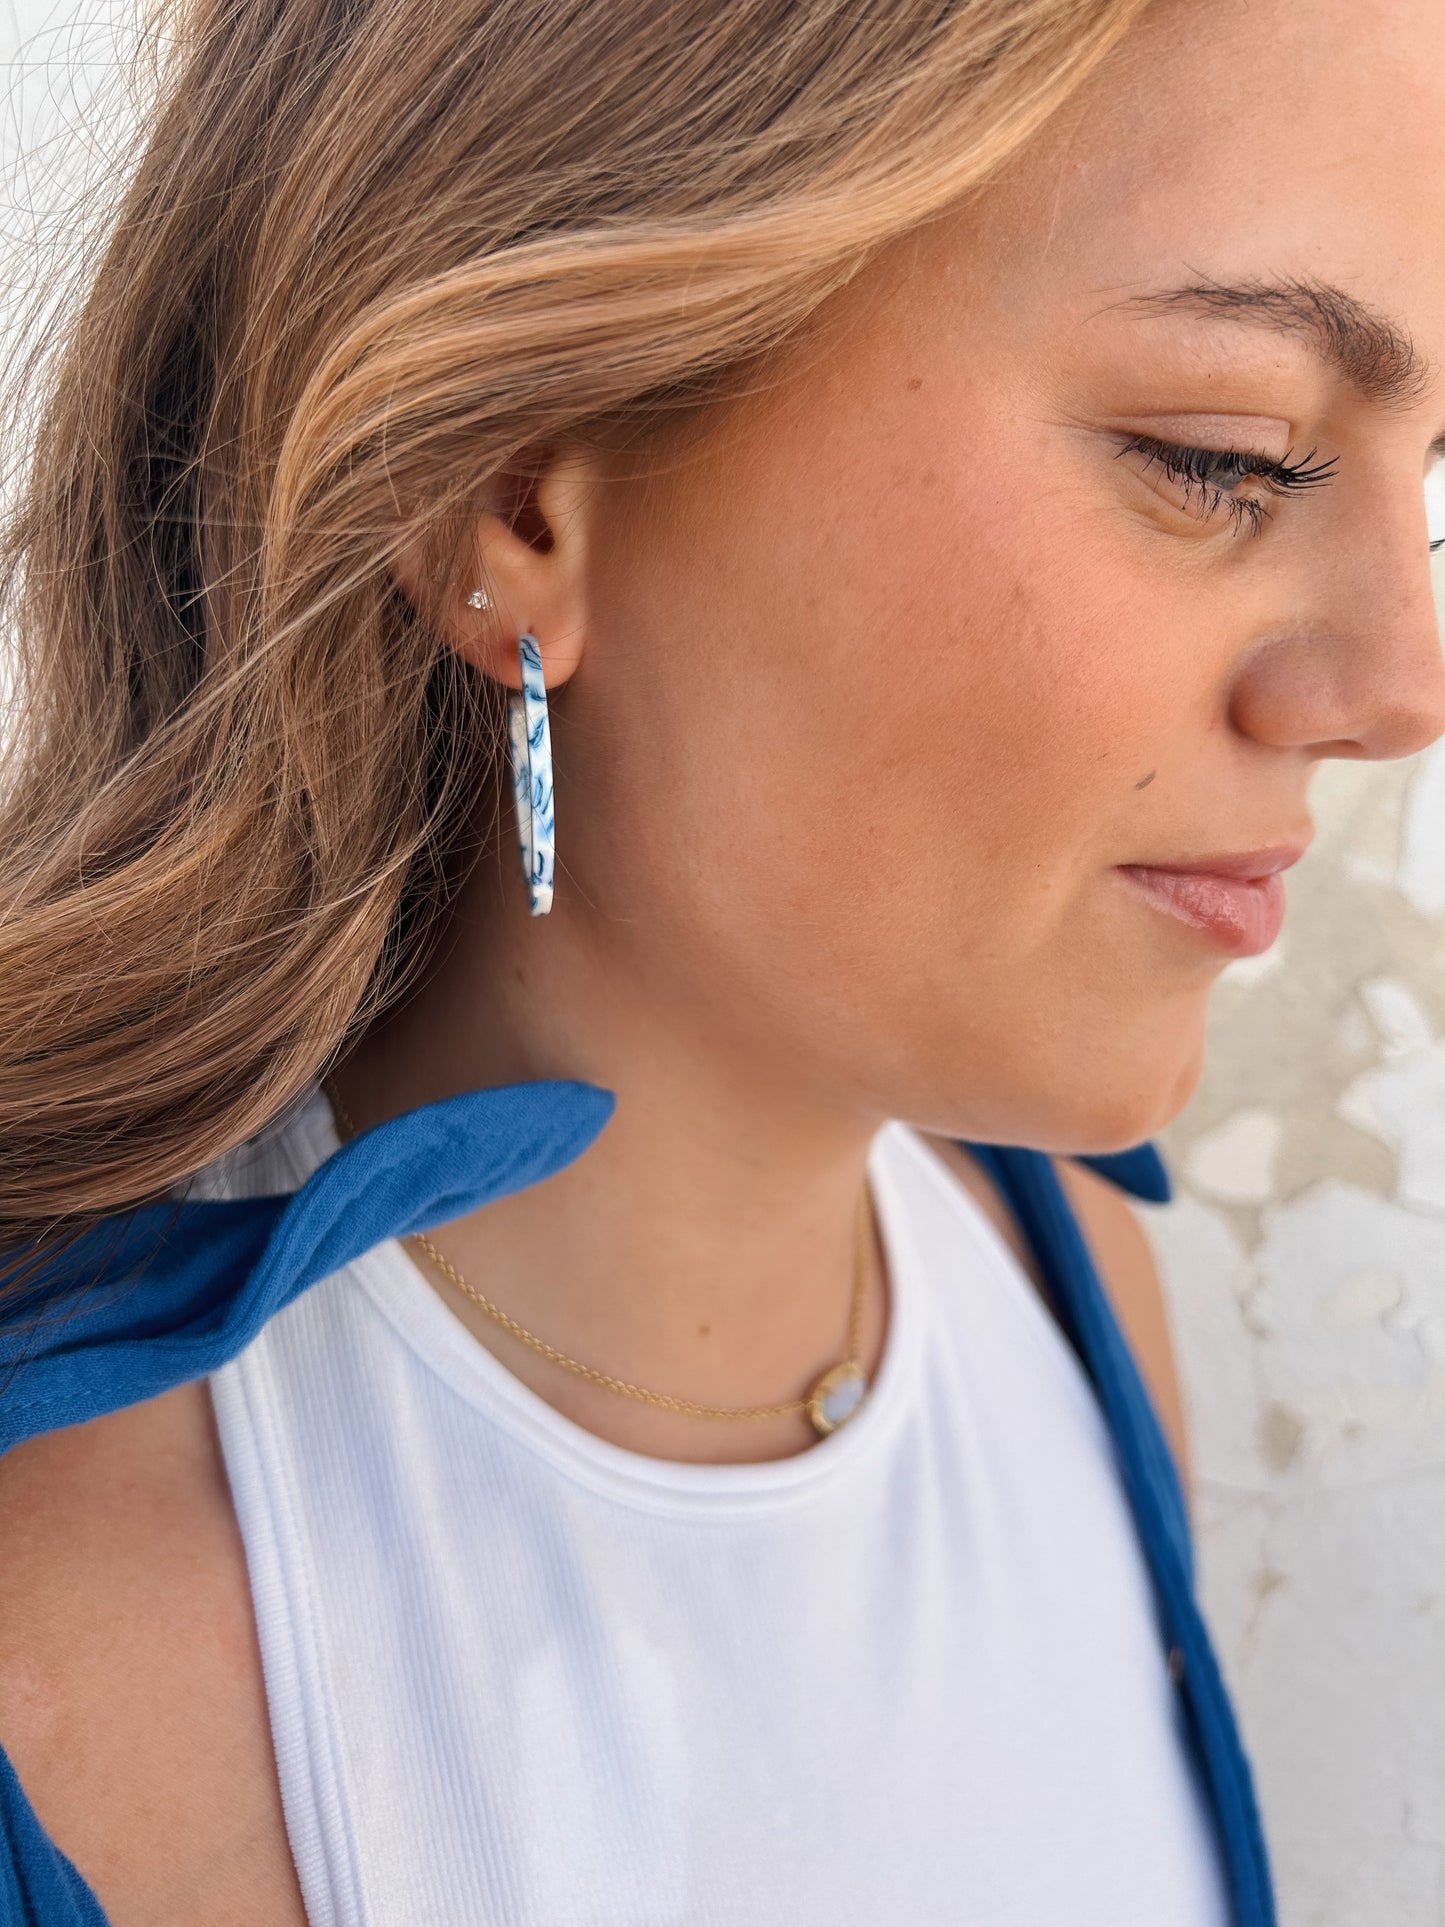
(529, 739)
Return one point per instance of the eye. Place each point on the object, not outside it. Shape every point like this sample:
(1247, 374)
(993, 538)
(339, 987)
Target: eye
(1435, 505)
(1213, 478)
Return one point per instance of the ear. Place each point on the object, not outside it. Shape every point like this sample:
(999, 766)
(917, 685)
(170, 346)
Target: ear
(528, 551)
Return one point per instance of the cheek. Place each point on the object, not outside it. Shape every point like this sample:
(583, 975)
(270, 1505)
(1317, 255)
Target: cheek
(906, 722)
(888, 673)
(860, 773)
(973, 690)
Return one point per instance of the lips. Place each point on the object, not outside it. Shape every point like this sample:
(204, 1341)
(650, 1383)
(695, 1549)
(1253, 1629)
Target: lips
(1235, 898)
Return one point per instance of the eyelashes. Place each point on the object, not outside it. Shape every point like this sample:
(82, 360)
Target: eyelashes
(1209, 477)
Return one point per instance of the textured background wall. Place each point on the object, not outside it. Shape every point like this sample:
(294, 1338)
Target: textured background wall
(1304, 1262)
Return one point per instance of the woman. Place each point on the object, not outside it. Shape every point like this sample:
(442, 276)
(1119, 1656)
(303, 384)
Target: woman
(930, 483)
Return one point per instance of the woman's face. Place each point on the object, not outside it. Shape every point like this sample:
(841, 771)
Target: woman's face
(913, 648)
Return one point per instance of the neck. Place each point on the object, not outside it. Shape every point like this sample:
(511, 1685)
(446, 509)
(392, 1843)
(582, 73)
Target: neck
(704, 1247)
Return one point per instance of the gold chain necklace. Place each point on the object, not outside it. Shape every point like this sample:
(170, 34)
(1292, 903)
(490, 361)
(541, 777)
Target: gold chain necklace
(831, 1402)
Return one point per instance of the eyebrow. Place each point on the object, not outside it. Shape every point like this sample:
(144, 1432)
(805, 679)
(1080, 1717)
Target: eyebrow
(1369, 350)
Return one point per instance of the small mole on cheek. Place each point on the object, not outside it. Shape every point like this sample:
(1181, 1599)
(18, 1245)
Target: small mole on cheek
(704, 1331)
(1145, 781)
(915, 382)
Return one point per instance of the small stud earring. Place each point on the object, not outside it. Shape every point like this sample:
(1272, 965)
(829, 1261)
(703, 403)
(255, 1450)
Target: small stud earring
(479, 599)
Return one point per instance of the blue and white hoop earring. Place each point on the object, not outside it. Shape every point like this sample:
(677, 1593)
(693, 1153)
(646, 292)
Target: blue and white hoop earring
(529, 739)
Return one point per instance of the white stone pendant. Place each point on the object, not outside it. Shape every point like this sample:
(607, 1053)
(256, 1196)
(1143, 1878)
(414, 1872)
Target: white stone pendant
(837, 1396)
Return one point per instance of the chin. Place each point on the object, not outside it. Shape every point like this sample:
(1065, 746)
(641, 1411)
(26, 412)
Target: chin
(1115, 1115)
(1090, 1086)
(1106, 1104)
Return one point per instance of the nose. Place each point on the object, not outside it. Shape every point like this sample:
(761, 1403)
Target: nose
(1362, 673)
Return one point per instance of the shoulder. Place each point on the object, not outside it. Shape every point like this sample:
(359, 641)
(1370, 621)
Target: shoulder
(1122, 1255)
(131, 1700)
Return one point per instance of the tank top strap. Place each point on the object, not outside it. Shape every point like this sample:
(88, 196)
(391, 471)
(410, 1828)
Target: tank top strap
(1031, 1186)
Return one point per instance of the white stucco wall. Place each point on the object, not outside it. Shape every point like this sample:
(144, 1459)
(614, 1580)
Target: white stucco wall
(1304, 1266)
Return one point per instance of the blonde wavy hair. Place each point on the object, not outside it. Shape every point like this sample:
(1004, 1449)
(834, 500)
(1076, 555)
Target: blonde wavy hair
(369, 254)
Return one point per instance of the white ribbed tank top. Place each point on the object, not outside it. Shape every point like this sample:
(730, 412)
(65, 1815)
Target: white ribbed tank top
(519, 1675)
